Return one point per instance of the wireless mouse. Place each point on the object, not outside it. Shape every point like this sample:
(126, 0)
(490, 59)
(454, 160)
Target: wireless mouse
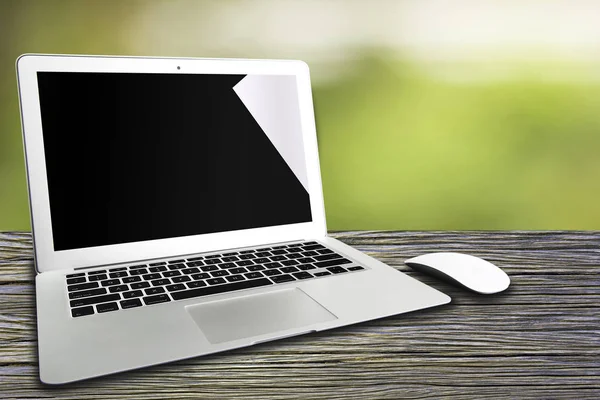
(471, 272)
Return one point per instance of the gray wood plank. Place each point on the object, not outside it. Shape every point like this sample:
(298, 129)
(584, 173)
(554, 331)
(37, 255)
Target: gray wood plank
(539, 339)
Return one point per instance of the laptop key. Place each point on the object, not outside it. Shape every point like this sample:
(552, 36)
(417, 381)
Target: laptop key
(310, 253)
(294, 255)
(154, 290)
(254, 275)
(325, 257)
(157, 263)
(261, 260)
(305, 267)
(305, 260)
(101, 308)
(215, 281)
(239, 270)
(325, 251)
(161, 282)
(118, 274)
(213, 261)
(255, 268)
(137, 266)
(247, 256)
(336, 270)
(141, 271)
(322, 273)
(289, 269)
(235, 278)
(86, 301)
(302, 275)
(169, 274)
(330, 263)
(160, 298)
(243, 263)
(273, 265)
(196, 284)
(209, 268)
(134, 293)
(191, 270)
(151, 277)
(103, 271)
(177, 266)
(86, 293)
(282, 278)
(228, 265)
(271, 272)
(118, 288)
(81, 311)
(203, 275)
(262, 254)
(131, 279)
(278, 252)
(111, 282)
(73, 281)
(314, 247)
(140, 285)
(230, 259)
(176, 261)
(125, 304)
(94, 278)
(83, 286)
(289, 262)
(278, 258)
(205, 291)
(117, 269)
(221, 272)
(190, 264)
(357, 268)
(157, 269)
(179, 279)
(76, 275)
(195, 258)
(179, 286)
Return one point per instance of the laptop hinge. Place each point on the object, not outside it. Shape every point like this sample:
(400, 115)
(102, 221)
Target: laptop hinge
(190, 254)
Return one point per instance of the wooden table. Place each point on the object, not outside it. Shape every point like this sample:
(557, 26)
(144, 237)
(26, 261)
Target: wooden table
(539, 339)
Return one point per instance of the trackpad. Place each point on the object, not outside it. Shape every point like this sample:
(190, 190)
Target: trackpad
(248, 316)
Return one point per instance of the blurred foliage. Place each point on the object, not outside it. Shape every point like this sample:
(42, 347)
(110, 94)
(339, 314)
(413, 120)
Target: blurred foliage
(399, 148)
(402, 151)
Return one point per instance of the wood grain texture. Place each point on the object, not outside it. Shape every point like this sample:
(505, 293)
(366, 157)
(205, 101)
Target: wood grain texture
(539, 339)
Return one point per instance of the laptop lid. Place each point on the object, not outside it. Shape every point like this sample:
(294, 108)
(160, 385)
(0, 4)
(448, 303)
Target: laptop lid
(138, 158)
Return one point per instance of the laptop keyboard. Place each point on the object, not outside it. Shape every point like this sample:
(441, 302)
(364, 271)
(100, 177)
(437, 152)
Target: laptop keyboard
(140, 285)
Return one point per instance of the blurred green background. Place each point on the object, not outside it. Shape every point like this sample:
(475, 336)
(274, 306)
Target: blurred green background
(430, 114)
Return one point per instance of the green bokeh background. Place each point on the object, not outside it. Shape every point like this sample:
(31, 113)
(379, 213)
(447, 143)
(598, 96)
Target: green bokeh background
(400, 147)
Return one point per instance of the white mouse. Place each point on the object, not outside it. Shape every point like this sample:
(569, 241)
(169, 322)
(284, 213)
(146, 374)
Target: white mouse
(468, 271)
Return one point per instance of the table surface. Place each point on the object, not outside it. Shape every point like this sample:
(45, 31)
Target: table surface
(538, 339)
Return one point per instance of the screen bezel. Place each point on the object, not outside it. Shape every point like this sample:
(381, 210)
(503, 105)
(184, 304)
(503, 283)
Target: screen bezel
(47, 259)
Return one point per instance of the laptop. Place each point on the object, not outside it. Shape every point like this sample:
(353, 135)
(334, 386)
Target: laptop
(177, 211)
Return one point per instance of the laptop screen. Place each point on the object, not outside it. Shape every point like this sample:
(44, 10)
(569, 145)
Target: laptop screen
(133, 157)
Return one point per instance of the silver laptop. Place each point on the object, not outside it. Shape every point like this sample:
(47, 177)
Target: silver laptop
(177, 211)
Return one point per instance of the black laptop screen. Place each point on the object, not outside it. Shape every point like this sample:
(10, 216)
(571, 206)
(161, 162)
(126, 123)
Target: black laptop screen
(136, 157)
